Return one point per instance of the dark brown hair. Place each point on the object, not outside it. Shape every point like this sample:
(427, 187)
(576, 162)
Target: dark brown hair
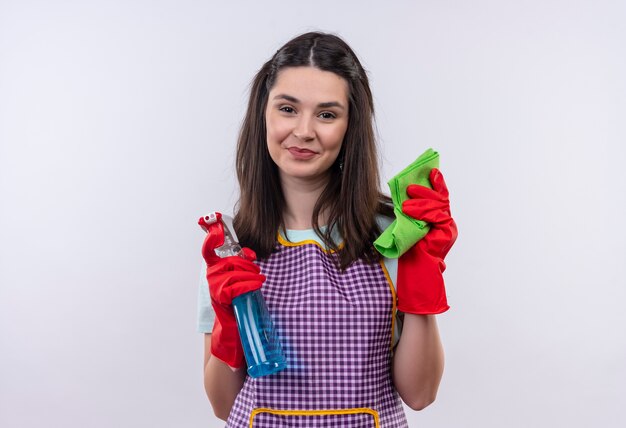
(352, 196)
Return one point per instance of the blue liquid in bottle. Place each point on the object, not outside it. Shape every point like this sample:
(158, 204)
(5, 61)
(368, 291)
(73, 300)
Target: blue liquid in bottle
(261, 347)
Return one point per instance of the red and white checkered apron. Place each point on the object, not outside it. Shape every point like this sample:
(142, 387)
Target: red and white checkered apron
(335, 329)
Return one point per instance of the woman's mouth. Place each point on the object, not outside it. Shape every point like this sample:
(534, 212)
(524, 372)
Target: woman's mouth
(301, 154)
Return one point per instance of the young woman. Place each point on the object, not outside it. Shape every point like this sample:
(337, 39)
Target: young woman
(310, 208)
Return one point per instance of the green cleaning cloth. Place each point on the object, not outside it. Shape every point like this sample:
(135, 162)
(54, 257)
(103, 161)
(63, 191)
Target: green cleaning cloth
(405, 231)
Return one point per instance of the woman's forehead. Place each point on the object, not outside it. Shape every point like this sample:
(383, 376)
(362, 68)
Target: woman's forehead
(310, 84)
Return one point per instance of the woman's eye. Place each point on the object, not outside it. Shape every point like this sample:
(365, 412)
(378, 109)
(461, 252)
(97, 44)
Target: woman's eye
(327, 115)
(286, 109)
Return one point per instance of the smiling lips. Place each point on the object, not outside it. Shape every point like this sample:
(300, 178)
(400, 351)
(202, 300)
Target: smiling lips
(302, 154)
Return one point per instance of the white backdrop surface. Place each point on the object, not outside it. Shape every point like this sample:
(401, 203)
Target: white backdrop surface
(118, 122)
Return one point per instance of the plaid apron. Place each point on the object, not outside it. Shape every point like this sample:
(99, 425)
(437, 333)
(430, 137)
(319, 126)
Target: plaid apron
(335, 329)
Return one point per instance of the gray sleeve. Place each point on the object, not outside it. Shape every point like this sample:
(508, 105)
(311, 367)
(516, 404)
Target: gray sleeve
(206, 315)
(392, 269)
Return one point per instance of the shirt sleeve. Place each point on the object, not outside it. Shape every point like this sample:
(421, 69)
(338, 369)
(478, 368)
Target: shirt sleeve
(206, 315)
(392, 269)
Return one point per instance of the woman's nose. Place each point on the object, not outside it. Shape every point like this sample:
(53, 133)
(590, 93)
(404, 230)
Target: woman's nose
(304, 129)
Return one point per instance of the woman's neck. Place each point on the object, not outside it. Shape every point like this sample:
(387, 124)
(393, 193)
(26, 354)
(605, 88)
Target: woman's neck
(300, 198)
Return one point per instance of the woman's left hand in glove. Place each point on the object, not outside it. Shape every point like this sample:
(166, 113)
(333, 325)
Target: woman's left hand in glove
(420, 285)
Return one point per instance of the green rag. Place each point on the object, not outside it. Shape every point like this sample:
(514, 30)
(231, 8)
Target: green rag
(405, 231)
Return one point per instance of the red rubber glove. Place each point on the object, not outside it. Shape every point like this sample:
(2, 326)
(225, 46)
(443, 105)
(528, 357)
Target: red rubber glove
(420, 286)
(228, 278)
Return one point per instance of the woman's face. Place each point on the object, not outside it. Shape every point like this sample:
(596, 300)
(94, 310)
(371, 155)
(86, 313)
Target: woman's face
(306, 119)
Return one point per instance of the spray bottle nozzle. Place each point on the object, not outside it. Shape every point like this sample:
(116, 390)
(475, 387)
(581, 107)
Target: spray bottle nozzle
(210, 218)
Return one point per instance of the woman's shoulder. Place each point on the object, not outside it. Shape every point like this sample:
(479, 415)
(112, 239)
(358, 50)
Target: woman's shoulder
(383, 221)
(385, 214)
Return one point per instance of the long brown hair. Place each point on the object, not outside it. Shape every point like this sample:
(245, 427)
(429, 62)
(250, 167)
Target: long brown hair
(352, 196)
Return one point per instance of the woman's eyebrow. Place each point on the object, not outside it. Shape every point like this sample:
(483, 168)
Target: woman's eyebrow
(288, 98)
(297, 101)
(331, 104)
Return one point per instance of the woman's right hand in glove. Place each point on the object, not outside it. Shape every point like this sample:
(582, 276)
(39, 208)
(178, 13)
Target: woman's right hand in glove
(228, 278)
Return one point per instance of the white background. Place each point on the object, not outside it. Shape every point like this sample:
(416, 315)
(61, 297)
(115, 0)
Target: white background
(118, 122)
